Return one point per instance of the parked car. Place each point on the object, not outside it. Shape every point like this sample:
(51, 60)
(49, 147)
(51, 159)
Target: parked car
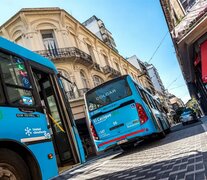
(188, 116)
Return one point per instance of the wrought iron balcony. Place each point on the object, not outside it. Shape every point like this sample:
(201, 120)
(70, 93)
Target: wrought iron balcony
(96, 66)
(75, 94)
(72, 53)
(83, 91)
(111, 71)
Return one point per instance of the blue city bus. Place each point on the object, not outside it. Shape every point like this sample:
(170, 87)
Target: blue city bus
(121, 112)
(37, 131)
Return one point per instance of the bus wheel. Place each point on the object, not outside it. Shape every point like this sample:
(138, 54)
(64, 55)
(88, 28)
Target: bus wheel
(167, 131)
(12, 166)
(161, 135)
(127, 146)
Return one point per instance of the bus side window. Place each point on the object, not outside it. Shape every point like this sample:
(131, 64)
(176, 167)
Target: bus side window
(158, 106)
(144, 96)
(152, 102)
(141, 93)
(2, 100)
(155, 105)
(16, 81)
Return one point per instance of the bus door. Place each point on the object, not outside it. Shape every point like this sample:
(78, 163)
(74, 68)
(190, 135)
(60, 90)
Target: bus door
(54, 108)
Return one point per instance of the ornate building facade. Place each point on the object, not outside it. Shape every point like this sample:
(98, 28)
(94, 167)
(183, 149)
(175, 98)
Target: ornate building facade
(79, 55)
(189, 35)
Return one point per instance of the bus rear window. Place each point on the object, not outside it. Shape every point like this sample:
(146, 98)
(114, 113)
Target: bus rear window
(107, 94)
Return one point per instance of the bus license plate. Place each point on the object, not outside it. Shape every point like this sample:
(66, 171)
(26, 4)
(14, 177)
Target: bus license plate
(122, 141)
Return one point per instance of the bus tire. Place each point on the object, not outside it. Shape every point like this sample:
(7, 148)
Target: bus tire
(161, 135)
(167, 131)
(12, 166)
(127, 146)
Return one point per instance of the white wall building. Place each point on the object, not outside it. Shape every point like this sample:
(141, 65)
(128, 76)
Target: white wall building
(97, 27)
(143, 78)
(155, 78)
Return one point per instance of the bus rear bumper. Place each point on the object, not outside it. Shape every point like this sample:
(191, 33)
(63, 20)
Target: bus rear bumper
(127, 138)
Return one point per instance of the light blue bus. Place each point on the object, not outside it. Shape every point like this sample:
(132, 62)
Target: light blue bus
(37, 131)
(120, 112)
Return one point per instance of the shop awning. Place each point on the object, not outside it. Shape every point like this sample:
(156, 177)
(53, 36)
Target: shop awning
(204, 61)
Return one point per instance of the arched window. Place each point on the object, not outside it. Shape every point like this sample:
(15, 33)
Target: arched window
(66, 85)
(97, 80)
(70, 88)
(84, 79)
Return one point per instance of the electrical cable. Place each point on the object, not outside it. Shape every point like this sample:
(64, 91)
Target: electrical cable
(158, 46)
(178, 87)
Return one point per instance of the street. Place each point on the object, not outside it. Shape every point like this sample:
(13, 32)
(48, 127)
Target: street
(181, 154)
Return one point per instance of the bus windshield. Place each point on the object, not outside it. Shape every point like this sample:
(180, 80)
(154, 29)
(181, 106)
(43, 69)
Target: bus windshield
(107, 94)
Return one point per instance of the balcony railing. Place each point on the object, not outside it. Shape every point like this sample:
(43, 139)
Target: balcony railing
(96, 66)
(70, 52)
(111, 71)
(75, 94)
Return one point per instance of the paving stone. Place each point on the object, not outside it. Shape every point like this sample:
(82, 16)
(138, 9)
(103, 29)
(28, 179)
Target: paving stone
(181, 155)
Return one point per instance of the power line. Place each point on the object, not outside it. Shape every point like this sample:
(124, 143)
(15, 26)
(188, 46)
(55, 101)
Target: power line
(158, 46)
(171, 83)
(177, 87)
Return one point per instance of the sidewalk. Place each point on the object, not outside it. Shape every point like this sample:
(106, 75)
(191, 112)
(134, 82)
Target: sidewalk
(204, 121)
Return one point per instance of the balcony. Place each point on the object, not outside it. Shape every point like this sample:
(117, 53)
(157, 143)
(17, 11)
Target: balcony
(111, 71)
(75, 94)
(71, 53)
(97, 67)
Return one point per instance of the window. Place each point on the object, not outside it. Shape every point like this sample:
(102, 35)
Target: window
(49, 42)
(117, 66)
(84, 79)
(67, 86)
(125, 71)
(16, 80)
(19, 41)
(106, 60)
(97, 80)
(1, 95)
(71, 89)
(147, 98)
(187, 4)
(107, 94)
(157, 105)
(152, 104)
(73, 40)
(90, 50)
(142, 94)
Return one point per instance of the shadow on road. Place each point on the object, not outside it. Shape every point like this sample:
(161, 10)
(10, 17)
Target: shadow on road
(178, 133)
(186, 167)
(179, 126)
(169, 168)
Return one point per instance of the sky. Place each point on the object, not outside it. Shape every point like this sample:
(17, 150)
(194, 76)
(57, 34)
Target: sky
(137, 26)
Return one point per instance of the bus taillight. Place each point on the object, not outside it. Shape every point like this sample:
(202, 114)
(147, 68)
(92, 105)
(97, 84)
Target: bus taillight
(94, 132)
(142, 114)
